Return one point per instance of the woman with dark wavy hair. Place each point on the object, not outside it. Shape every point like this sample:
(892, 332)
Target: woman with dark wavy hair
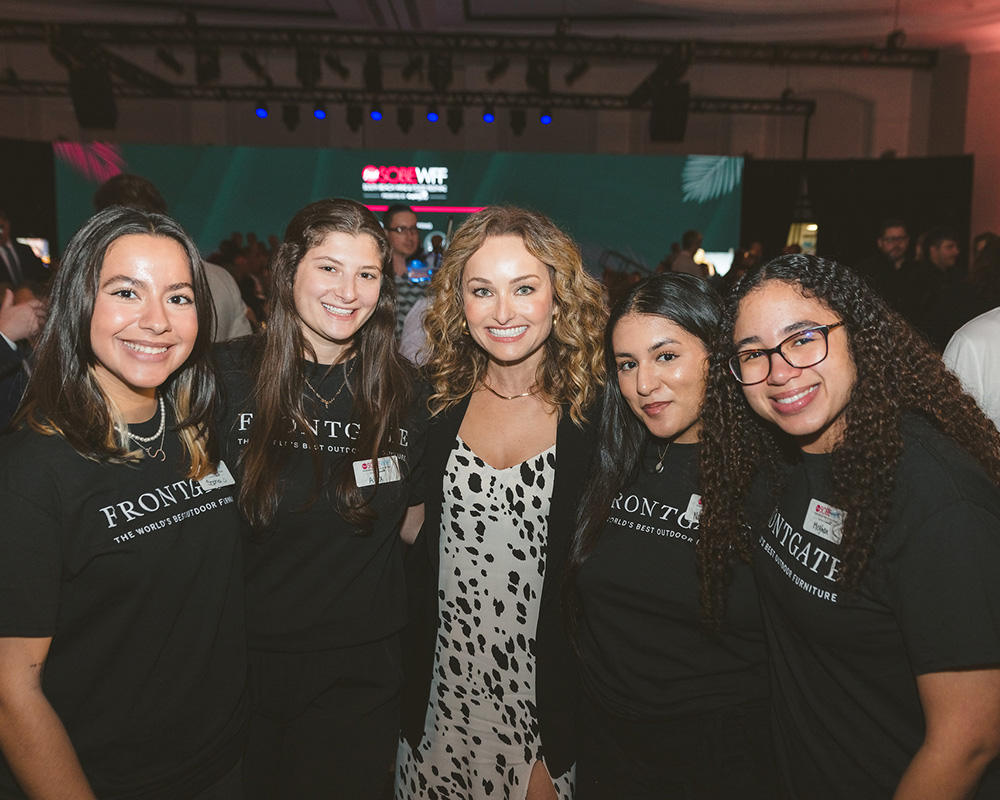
(876, 549)
(320, 413)
(515, 362)
(670, 709)
(122, 637)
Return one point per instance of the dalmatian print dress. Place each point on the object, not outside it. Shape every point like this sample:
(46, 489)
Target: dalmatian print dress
(481, 733)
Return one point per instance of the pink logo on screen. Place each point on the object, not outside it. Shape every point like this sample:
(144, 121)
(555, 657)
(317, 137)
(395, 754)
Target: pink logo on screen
(373, 174)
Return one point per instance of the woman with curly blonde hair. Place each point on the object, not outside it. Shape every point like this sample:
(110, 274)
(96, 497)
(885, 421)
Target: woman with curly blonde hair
(514, 333)
(876, 550)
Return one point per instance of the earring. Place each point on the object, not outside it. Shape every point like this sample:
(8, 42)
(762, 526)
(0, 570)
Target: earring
(465, 328)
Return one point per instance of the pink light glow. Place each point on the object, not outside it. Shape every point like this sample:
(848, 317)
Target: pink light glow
(437, 209)
(95, 160)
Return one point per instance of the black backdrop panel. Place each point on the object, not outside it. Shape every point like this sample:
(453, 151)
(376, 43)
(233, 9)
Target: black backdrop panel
(28, 188)
(849, 200)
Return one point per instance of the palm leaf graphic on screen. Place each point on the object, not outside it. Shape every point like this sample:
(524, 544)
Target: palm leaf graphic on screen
(708, 177)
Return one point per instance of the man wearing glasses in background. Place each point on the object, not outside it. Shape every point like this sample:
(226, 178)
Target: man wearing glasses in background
(400, 225)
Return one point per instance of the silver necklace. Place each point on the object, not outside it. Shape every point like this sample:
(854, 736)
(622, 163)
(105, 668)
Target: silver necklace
(511, 397)
(161, 431)
(662, 454)
(322, 399)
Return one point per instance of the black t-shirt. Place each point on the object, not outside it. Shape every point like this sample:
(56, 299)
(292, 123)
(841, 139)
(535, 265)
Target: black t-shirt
(645, 652)
(316, 582)
(844, 665)
(136, 573)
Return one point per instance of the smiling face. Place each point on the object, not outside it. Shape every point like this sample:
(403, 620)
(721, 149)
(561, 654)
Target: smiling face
(661, 374)
(509, 301)
(144, 324)
(336, 290)
(809, 403)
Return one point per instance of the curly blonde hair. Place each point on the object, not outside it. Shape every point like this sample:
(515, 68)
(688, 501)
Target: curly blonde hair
(572, 369)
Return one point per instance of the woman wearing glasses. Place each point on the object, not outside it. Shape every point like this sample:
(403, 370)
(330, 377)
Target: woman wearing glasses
(876, 549)
(670, 710)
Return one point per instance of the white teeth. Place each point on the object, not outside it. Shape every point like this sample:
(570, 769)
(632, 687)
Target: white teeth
(507, 333)
(340, 312)
(141, 348)
(787, 400)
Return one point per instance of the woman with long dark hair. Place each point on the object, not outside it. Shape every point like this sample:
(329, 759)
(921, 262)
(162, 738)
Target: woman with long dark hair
(875, 548)
(515, 362)
(320, 414)
(122, 639)
(671, 709)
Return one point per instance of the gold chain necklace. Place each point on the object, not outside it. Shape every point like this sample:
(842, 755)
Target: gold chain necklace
(323, 400)
(511, 397)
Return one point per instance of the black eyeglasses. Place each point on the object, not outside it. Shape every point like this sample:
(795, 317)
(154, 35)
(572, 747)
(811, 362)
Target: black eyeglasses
(403, 229)
(800, 350)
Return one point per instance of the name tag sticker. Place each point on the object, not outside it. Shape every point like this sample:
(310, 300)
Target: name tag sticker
(824, 520)
(221, 477)
(693, 511)
(388, 471)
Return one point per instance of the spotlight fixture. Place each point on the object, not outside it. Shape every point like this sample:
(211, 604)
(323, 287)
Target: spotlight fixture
(432, 113)
(307, 67)
(290, 115)
(376, 111)
(355, 116)
(260, 111)
(439, 72)
(415, 66)
(454, 117)
(319, 112)
(404, 118)
(169, 60)
(253, 64)
(338, 66)
(488, 115)
(537, 77)
(372, 71)
(577, 71)
(546, 117)
(498, 69)
(518, 121)
(206, 63)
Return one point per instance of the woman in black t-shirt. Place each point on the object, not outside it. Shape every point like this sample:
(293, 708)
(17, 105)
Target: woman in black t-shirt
(673, 710)
(876, 550)
(319, 407)
(122, 638)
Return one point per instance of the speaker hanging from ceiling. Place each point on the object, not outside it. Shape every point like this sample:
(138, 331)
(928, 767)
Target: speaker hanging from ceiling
(668, 112)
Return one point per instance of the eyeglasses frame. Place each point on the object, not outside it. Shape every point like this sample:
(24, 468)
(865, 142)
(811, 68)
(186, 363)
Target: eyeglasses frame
(770, 351)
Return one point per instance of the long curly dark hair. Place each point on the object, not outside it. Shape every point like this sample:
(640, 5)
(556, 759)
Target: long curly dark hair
(898, 372)
(621, 436)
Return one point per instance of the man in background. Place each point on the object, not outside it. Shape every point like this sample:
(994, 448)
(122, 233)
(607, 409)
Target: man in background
(18, 262)
(400, 225)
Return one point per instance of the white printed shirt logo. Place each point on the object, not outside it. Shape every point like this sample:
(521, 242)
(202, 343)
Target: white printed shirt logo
(824, 520)
(388, 471)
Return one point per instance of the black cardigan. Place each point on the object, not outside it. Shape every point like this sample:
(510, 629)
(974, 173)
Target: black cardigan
(556, 669)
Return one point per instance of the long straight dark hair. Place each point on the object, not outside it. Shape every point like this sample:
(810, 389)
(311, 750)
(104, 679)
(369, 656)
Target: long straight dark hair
(64, 396)
(381, 383)
(621, 436)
